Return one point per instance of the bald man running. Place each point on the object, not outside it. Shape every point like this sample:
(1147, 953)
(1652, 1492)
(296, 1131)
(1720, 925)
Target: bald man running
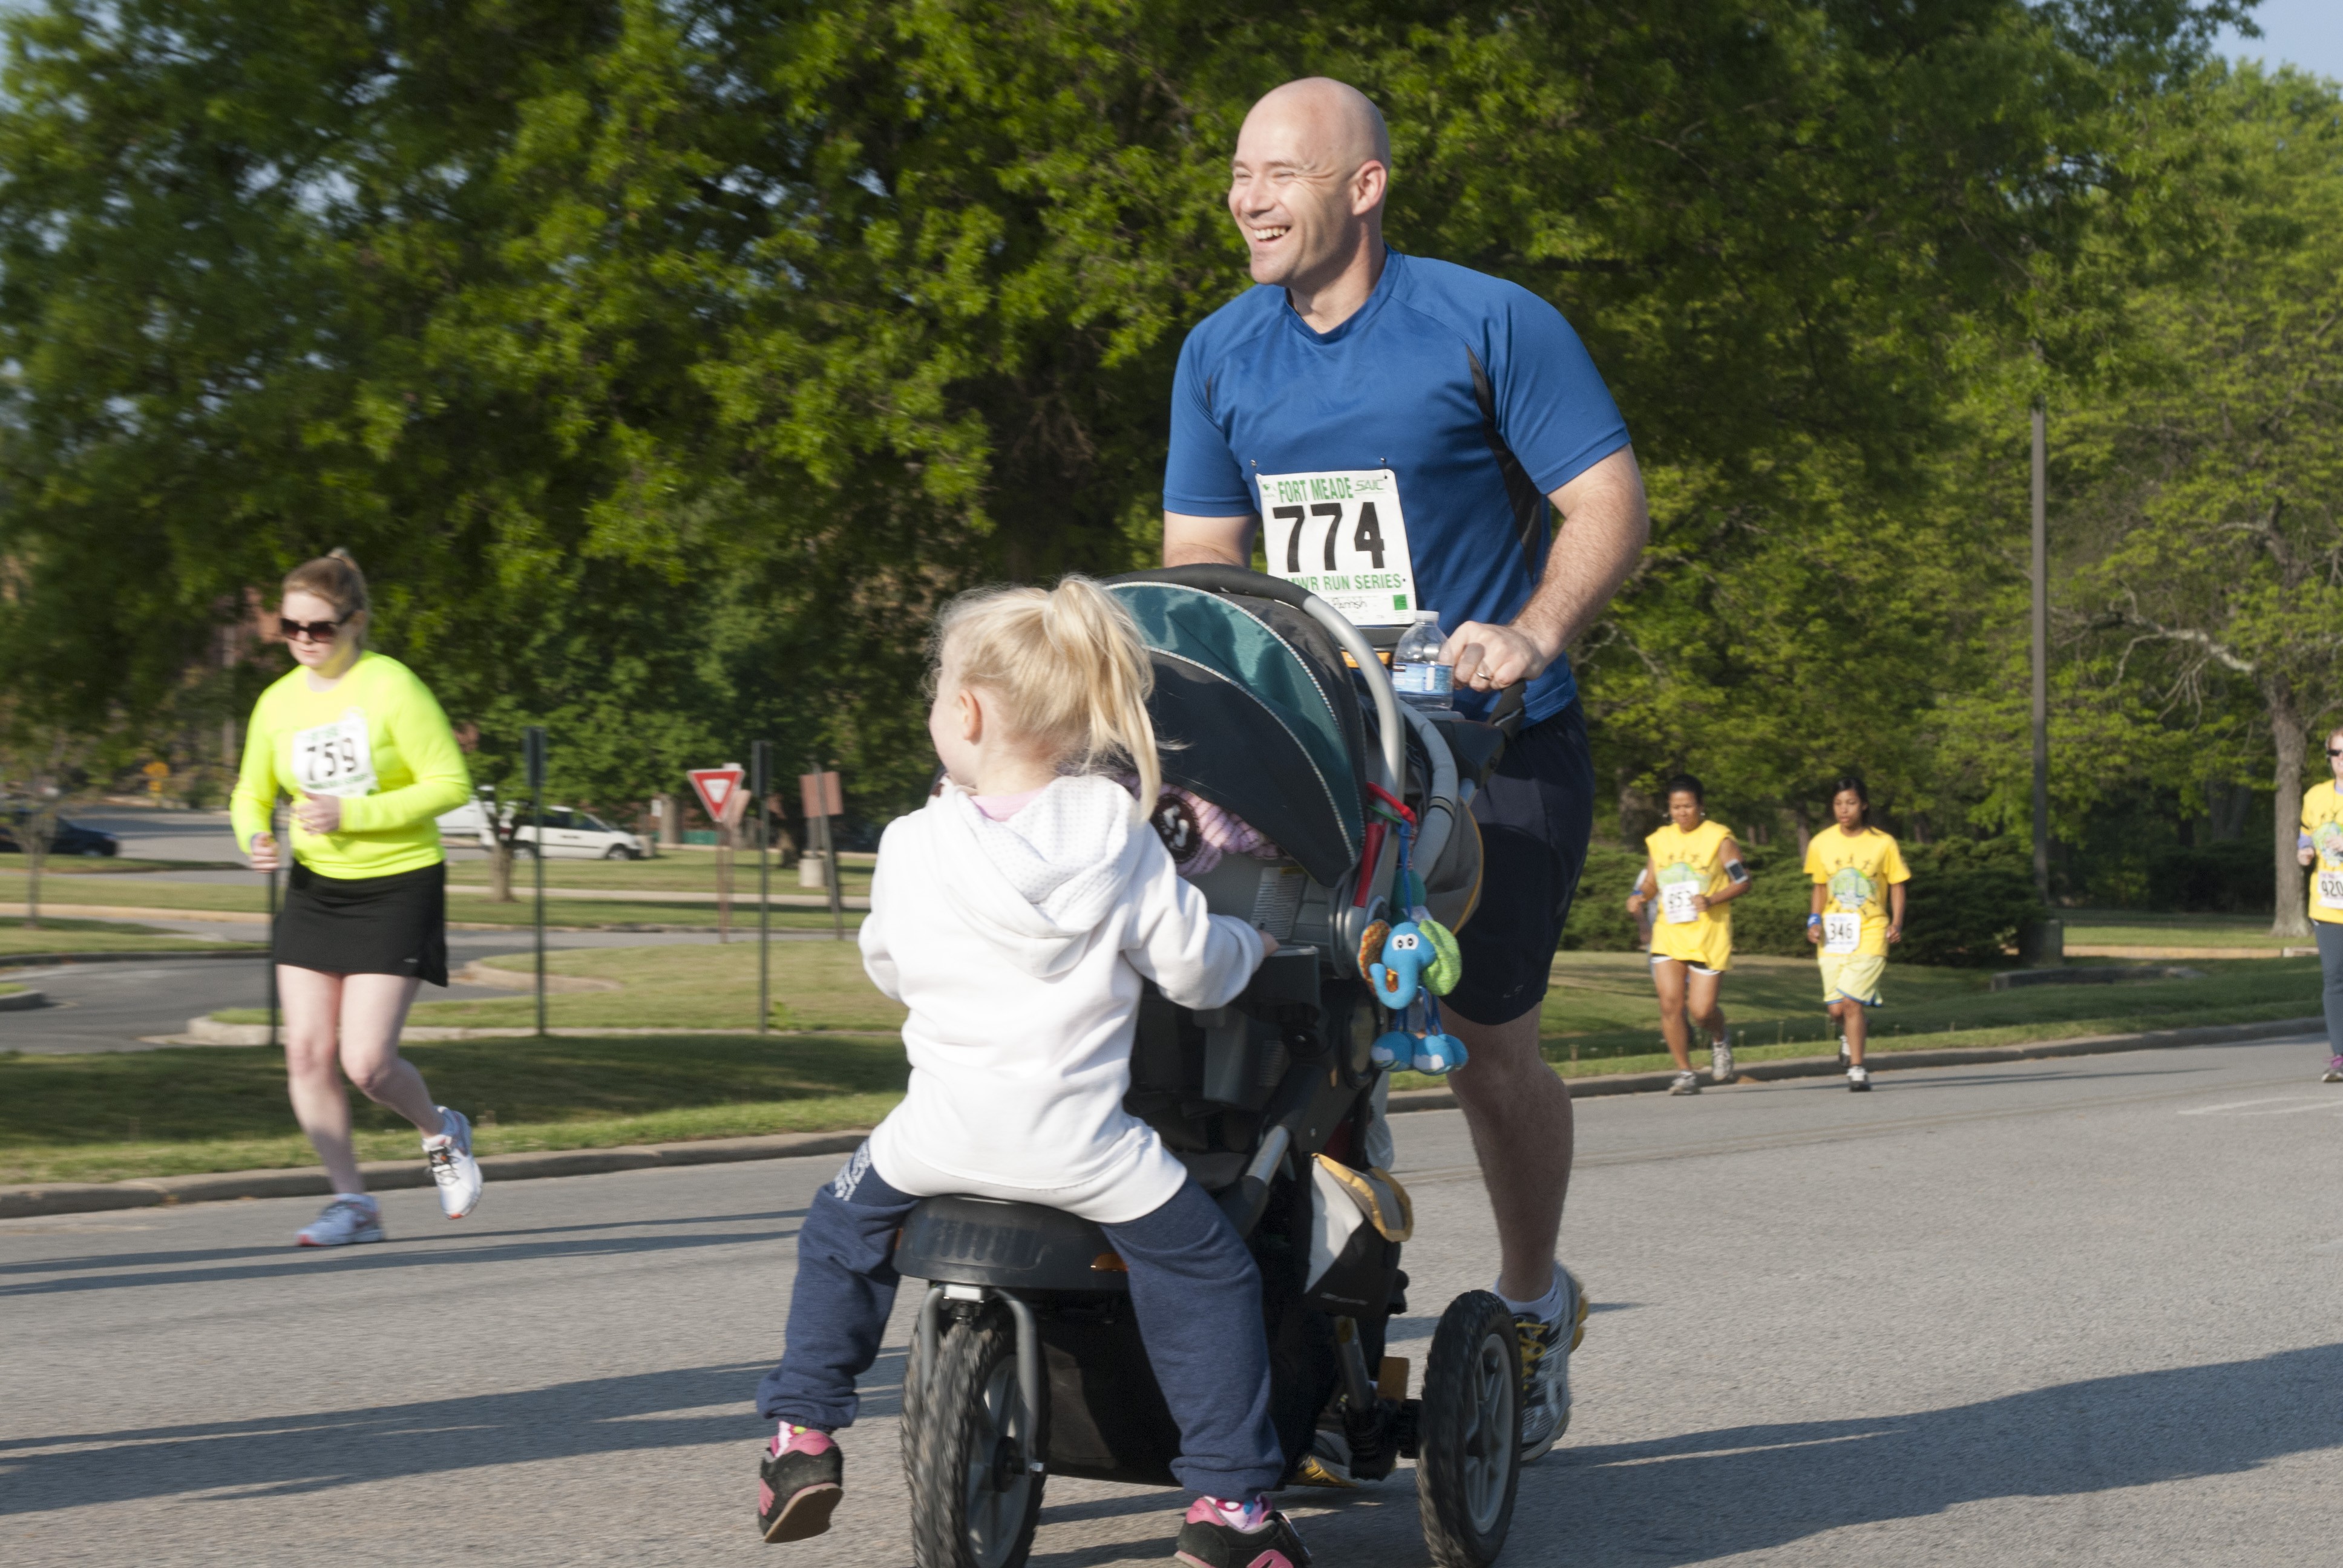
(1404, 426)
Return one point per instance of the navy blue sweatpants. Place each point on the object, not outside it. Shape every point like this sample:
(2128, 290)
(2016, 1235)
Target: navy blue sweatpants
(1192, 1285)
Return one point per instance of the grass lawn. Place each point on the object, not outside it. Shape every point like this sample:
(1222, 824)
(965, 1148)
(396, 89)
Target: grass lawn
(5, 987)
(2131, 928)
(57, 936)
(1602, 1016)
(816, 986)
(98, 1118)
(196, 898)
(104, 1117)
(670, 873)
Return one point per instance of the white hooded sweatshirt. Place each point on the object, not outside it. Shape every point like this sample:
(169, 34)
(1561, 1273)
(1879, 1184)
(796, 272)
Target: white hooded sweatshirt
(1019, 946)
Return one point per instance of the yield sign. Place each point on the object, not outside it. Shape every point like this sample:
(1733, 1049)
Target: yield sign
(718, 789)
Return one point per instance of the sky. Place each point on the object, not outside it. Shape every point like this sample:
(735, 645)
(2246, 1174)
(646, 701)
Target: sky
(2306, 32)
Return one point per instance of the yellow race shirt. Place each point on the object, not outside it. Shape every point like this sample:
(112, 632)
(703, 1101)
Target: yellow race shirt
(1691, 863)
(379, 741)
(2322, 820)
(1858, 872)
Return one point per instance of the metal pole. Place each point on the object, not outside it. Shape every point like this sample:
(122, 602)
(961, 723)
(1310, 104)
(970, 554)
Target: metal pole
(2041, 656)
(534, 742)
(272, 926)
(758, 753)
(836, 879)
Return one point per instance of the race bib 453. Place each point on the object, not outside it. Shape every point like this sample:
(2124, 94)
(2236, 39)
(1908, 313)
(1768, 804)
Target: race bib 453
(1341, 534)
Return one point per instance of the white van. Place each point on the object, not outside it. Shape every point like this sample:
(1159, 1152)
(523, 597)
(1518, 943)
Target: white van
(569, 834)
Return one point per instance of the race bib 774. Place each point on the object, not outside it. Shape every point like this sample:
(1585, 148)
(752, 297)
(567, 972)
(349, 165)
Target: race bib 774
(1341, 534)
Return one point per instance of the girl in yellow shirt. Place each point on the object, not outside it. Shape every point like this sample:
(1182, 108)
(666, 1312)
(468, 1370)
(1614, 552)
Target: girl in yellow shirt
(363, 751)
(1696, 870)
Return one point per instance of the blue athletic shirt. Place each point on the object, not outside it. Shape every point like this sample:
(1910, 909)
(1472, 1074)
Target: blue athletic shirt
(1394, 386)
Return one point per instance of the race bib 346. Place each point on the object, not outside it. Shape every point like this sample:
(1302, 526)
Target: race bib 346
(1342, 535)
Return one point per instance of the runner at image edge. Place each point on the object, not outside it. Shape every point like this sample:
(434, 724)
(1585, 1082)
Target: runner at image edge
(2320, 848)
(1410, 423)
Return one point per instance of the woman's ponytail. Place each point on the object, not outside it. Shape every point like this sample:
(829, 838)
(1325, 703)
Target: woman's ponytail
(1069, 669)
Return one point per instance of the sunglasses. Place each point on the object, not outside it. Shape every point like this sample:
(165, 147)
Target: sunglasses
(314, 630)
(2335, 751)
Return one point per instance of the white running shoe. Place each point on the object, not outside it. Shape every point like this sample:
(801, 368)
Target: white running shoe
(453, 1167)
(1685, 1083)
(1720, 1058)
(1859, 1079)
(350, 1218)
(1845, 1057)
(1546, 1344)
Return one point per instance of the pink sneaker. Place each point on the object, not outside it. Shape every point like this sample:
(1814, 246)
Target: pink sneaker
(1220, 1533)
(799, 1484)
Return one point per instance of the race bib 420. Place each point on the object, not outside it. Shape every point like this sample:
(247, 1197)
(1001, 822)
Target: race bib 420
(1342, 535)
(335, 759)
(2331, 890)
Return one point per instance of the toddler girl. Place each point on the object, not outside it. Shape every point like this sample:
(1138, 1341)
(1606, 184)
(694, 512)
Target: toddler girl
(1016, 916)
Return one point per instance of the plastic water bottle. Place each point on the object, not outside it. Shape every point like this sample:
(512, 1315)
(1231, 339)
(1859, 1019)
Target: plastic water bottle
(1417, 674)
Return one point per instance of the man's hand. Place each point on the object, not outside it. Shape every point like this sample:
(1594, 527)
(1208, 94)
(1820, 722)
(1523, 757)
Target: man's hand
(1492, 658)
(1268, 943)
(264, 852)
(319, 813)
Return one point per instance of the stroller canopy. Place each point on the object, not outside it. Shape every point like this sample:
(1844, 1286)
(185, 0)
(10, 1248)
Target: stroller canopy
(1255, 713)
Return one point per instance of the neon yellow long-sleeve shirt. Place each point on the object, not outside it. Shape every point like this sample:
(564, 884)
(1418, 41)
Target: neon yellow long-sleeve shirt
(379, 741)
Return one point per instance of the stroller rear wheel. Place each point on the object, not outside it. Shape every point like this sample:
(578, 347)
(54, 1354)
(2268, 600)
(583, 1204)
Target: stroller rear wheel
(1468, 1459)
(975, 1496)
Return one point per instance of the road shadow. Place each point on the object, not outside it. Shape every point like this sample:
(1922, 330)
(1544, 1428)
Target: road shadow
(1711, 1494)
(136, 1271)
(286, 1455)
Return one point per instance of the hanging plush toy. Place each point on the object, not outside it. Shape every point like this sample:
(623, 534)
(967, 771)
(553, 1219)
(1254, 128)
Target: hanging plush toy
(1408, 965)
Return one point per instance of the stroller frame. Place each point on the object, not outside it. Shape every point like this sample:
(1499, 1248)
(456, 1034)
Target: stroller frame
(1026, 1361)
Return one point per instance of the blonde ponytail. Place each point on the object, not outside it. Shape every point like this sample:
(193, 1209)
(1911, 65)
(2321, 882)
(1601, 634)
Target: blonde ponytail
(335, 577)
(1069, 669)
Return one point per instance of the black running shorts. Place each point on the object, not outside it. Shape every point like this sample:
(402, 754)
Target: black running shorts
(394, 925)
(1535, 817)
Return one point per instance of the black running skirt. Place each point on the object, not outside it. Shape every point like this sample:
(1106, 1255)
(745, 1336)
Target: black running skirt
(395, 925)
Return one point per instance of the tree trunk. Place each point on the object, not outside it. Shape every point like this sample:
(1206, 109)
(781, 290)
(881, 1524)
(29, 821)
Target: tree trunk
(500, 859)
(2287, 738)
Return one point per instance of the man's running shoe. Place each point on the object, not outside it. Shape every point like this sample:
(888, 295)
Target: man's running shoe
(1222, 1534)
(452, 1165)
(799, 1483)
(1859, 1079)
(1720, 1058)
(1546, 1344)
(2334, 1071)
(1685, 1083)
(1846, 1056)
(350, 1219)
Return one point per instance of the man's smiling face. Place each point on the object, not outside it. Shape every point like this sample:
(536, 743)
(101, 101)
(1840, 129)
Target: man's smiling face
(1299, 189)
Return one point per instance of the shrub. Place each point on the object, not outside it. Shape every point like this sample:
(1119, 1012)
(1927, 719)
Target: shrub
(2230, 878)
(1598, 919)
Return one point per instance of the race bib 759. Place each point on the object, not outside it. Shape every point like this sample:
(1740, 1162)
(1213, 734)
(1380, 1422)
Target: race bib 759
(335, 758)
(1341, 534)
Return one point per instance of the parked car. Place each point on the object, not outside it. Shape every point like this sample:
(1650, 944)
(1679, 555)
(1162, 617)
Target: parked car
(71, 838)
(574, 835)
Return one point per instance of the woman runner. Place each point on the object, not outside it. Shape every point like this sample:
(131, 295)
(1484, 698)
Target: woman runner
(1696, 867)
(361, 745)
(1851, 866)
(2320, 847)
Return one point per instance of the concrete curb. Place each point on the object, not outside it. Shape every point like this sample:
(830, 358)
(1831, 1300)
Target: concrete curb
(37, 960)
(1889, 1060)
(207, 1031)
(22, 1002)
(86, 1196)
(382, 1175)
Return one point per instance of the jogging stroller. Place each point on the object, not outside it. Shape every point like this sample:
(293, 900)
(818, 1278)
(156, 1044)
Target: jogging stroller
(1027, 1361)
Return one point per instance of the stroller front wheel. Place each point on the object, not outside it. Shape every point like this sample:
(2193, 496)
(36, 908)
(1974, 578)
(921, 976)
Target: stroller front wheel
(976, 1496)
(1468, 1458)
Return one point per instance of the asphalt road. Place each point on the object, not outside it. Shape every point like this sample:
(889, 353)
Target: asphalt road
(2043, 1314)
